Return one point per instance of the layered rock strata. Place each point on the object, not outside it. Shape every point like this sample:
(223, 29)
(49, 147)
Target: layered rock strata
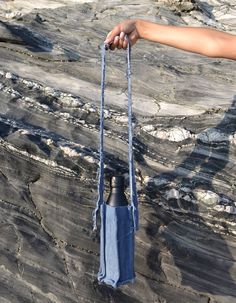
(185, 147)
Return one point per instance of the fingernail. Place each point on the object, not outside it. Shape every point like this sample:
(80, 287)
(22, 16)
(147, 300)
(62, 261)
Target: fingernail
(122, 34)
(106, 41)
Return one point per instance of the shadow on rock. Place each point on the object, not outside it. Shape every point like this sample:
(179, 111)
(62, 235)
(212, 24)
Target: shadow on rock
(199, 258)
(34, 42)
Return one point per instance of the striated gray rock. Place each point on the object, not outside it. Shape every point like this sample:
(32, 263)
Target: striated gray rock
(185, 118)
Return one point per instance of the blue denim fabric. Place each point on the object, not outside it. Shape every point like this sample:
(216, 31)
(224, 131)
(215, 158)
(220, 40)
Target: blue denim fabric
(118, 224)
(116, 246)
(132, 181)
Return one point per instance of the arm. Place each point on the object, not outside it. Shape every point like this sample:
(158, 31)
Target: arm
(204, 41)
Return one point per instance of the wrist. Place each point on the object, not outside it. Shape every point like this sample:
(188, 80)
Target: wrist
(138, 26)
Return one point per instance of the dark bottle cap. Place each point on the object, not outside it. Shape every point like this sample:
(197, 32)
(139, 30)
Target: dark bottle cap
(117, 196)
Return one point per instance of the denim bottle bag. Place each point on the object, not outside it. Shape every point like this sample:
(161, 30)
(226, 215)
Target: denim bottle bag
(118, 224)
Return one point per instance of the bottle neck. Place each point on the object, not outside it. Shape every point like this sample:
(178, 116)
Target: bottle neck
(117, 197)
(117, 189)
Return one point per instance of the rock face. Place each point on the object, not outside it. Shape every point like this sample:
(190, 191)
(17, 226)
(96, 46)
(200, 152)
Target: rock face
(185, 147)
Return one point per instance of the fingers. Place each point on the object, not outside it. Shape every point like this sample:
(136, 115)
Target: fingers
(119, 42)
(125, 43)
(122, 35)
(112, 34)
(115, 43)
(116, 39)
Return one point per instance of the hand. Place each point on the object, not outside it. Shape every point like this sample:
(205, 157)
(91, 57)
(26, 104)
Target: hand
(117, 37)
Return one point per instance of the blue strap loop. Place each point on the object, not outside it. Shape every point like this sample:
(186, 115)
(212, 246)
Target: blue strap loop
(101, 145)
(132, 181)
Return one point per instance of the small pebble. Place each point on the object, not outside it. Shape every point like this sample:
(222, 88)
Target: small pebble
(230, 209)
(148, 128)
(172, 194)
(187, 198)
(206, 196)
(11, 76)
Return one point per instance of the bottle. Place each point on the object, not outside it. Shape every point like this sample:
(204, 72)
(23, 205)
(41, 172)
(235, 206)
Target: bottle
(117, 196)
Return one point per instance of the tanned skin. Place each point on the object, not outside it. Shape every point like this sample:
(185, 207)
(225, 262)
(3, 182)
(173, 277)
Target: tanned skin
(205, 41)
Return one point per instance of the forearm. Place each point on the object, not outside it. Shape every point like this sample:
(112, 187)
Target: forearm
(208, 42)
